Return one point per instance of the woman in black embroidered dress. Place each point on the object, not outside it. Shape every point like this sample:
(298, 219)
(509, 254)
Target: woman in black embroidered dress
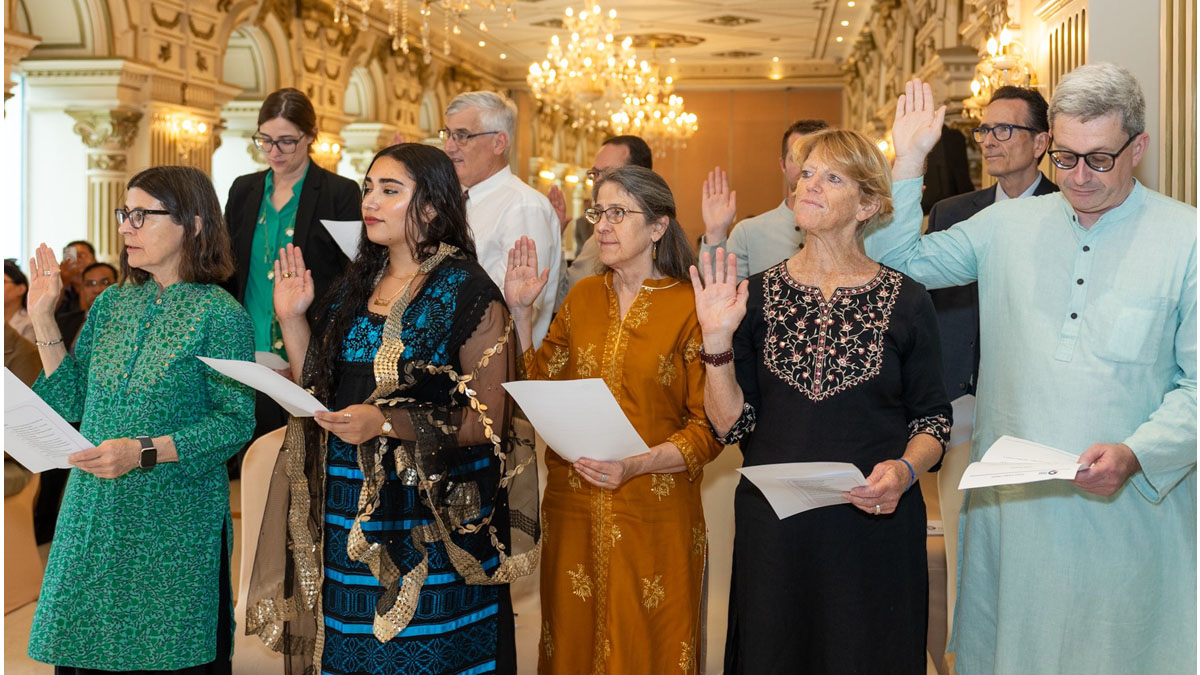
(836, 359)
(395, 522)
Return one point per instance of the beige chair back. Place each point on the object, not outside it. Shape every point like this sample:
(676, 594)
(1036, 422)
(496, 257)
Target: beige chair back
(953, 465)
(250, 655)
(22, 564)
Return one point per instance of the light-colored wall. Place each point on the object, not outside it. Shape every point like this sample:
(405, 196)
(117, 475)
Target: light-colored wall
(740, 131)
(56, 213)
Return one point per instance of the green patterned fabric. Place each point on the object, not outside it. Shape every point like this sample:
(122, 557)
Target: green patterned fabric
(134, 571)
(274, 230)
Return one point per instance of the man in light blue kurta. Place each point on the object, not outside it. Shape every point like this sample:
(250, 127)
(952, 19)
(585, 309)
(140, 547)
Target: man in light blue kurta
(1088, 324)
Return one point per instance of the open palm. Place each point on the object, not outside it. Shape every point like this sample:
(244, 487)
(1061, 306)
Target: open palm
(522, 283)
(718, 207)
(45, 282)
(721, 300)
(294, 290)
(918, 124)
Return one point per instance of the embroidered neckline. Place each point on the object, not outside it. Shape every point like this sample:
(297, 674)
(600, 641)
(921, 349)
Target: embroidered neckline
(839, 291)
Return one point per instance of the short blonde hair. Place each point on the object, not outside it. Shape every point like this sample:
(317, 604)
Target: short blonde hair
(856, 157)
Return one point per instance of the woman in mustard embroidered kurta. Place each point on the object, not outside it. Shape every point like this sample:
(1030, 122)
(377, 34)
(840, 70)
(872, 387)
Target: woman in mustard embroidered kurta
(624, 543)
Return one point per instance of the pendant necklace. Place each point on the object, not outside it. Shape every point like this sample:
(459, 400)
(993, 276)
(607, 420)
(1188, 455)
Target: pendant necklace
(384, 302)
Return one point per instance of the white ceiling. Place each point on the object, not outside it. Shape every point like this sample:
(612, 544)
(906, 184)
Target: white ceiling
(801, 34)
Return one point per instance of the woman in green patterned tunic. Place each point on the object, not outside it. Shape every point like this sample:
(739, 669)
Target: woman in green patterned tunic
(138, 578)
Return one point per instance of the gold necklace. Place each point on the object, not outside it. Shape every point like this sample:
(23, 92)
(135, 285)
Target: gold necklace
(384, 302)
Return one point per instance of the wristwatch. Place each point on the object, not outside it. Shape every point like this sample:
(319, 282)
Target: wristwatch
(149, 456)
(387, 426)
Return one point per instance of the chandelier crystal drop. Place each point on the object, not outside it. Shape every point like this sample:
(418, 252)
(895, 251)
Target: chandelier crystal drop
(651, 109)
(395, 13)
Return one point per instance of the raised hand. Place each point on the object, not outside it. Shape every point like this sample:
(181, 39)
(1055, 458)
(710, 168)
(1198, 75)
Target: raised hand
(721, 300)
(294, 290)
(45, 283)
(522, 283)
(918, 127)
(559, 203)
(718, 207)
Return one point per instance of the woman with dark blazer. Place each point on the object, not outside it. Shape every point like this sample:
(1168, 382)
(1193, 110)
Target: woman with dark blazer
(284, 205)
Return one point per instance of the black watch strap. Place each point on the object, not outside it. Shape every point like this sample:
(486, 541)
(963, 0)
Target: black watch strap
(149, 456)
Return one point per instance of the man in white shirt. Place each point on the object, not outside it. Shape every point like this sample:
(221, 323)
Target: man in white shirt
(769, 238)
(501, 208)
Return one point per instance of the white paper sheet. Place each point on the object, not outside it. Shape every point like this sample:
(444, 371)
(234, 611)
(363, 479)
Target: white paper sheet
(34, 434)
(283, 391)
(346, 234)
(802, 486)
(1011, 461)
(578, 418)
(270, 360)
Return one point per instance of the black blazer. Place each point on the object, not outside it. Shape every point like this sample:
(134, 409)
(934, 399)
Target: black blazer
(325, 195)
(958, 306)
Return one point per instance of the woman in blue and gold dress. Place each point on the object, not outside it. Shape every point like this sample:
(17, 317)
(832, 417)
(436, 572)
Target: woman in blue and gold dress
(395, 522)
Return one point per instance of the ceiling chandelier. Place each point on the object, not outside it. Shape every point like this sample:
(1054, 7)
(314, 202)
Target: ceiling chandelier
(397, 12)
(1004, 66)
(653, 111)
(585, 76)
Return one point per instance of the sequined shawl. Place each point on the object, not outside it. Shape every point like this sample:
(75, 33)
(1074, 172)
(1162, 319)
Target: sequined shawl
(470, 408)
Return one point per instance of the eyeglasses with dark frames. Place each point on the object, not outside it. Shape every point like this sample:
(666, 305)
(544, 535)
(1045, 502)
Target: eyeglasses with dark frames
(1096, 161)
(614, 214)
(137, 217)
(287, 144)
(1001, 132)
(460, 137)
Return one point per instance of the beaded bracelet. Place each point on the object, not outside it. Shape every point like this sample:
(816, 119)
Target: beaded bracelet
(912, 475)
(51, 343)
(716, 359)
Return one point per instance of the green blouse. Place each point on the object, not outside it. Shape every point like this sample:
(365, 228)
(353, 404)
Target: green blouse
(133, 579)
(273, 231)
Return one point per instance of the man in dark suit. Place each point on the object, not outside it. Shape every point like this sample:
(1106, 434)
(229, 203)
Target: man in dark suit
(1014, 137)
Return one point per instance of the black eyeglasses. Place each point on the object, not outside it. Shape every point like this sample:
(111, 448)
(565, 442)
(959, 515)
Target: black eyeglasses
(460, 137)
(1096, 161)
(98, 282)
(614, 214)
(287, 145)
(137, 217)
(1001, 132)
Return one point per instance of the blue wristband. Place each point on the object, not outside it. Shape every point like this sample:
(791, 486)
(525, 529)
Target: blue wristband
(912, 476)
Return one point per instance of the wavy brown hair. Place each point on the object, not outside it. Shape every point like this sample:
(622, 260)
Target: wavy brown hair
(206, 255)
(857, 158)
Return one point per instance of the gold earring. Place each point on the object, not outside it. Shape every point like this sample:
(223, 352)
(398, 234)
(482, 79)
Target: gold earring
(655, 250)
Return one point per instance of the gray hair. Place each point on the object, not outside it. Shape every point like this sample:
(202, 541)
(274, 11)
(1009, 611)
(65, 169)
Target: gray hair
(496, 112)
(1100, 89)
(674, 253)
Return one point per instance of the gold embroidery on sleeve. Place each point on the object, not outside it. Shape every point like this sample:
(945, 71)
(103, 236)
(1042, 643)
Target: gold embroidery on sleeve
(557, 360)
(547, 641)
(691, 350)
(661, 484)
(652, 592)
(666, 370)
(581, 584)
(585, 361)
(687, 658)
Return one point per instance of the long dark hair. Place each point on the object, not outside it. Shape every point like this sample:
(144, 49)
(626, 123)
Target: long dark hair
(437, 191)
(207, 255)
(675, 255)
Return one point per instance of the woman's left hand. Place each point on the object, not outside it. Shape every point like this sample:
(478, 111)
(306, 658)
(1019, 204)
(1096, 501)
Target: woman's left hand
(886, 484)
(607, 475)
(354, 424)
(111, 459)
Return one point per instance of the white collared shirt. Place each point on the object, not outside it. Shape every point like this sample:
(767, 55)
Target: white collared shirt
(1002, 196)
(501, 209)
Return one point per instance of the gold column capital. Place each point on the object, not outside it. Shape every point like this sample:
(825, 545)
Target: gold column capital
(108, 129)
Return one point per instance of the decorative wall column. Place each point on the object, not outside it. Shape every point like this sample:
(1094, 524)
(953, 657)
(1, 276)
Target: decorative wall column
(363, 140)
(108, 134)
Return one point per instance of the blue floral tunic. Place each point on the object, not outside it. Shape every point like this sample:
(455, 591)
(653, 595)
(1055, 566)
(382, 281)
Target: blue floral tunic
(134, 574)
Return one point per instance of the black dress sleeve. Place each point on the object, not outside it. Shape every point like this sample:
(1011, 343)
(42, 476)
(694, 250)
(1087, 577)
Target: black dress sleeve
(925, 401)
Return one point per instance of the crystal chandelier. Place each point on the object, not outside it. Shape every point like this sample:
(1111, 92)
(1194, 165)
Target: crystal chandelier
(653, 111)
(1004, 66)
(397, 12)
(585, 77)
